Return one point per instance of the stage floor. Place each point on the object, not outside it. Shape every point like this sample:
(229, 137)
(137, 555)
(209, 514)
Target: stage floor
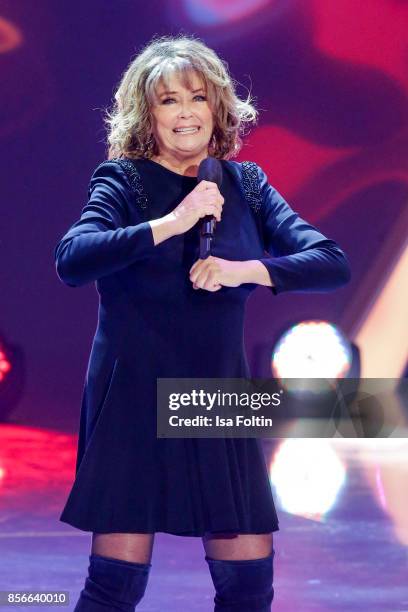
(342, 544)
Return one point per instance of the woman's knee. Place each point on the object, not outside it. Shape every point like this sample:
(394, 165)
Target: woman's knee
(238, 546)
(134, 547)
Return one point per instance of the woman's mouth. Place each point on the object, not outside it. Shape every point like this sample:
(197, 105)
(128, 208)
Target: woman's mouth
(187, 130)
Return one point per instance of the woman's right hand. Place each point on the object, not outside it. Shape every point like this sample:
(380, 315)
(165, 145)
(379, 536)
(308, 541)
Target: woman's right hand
(204, 199)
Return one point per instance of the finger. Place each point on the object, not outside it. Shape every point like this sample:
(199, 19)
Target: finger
(212, 287)
(212, 279)
(217, 208)
(211, 209)
(192, 270)
(217, 200)
(195, 265)
(213, 198)
(201, 262)
(199, 266)
(203, 185)
(211, 195)
(200, 281)
(211, 284)
(201, 278)
(216, 212)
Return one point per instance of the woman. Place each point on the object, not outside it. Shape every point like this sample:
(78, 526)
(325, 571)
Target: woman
(138, 238)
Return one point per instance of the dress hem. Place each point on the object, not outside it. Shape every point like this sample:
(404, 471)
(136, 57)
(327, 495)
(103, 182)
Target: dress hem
(188, 533)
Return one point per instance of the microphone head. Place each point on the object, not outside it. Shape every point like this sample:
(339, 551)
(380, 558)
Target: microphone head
(210, 169)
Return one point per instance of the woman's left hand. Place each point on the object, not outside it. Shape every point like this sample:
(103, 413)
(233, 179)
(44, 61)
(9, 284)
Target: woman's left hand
(213, 273)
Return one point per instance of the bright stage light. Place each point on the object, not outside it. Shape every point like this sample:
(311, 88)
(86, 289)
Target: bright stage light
(308, 476)
(308, 350)
(5, 365)
(12, 377)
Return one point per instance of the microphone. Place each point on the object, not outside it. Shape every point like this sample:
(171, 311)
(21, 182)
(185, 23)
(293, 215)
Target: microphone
(210, 169)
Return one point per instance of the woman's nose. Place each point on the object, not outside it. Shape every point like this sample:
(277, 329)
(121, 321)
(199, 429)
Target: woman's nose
(185, 110)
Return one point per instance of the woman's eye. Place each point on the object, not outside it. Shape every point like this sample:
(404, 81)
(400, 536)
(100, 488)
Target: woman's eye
(200, 97)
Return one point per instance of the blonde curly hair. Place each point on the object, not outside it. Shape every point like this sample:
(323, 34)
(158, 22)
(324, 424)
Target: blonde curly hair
(129, 122)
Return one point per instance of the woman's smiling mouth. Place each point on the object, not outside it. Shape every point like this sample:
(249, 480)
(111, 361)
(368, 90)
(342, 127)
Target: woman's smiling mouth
(186, 130)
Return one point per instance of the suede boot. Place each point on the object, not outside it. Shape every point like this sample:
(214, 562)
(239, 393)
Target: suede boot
(112, 584)
(244, 585)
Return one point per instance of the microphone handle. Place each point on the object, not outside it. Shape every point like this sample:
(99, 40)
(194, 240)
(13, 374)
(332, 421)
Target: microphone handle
(208, 225)
(206, 235)
(205, 246)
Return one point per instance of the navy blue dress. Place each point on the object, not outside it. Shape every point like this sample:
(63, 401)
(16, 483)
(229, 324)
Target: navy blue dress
(150, 325)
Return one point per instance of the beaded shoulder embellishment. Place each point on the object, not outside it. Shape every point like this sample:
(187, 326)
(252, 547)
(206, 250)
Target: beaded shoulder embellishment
(135, 181)
(250, 181)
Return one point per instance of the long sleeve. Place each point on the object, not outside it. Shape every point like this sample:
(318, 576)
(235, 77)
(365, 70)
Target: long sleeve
(101, 242)
(302, 258)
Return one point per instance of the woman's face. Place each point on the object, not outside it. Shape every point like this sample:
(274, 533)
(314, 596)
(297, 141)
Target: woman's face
(180, 108)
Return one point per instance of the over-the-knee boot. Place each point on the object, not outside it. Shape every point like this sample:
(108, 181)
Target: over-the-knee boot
(244, 585)
(112, 584)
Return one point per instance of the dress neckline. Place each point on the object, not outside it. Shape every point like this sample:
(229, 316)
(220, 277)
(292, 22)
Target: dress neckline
(184, 176)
